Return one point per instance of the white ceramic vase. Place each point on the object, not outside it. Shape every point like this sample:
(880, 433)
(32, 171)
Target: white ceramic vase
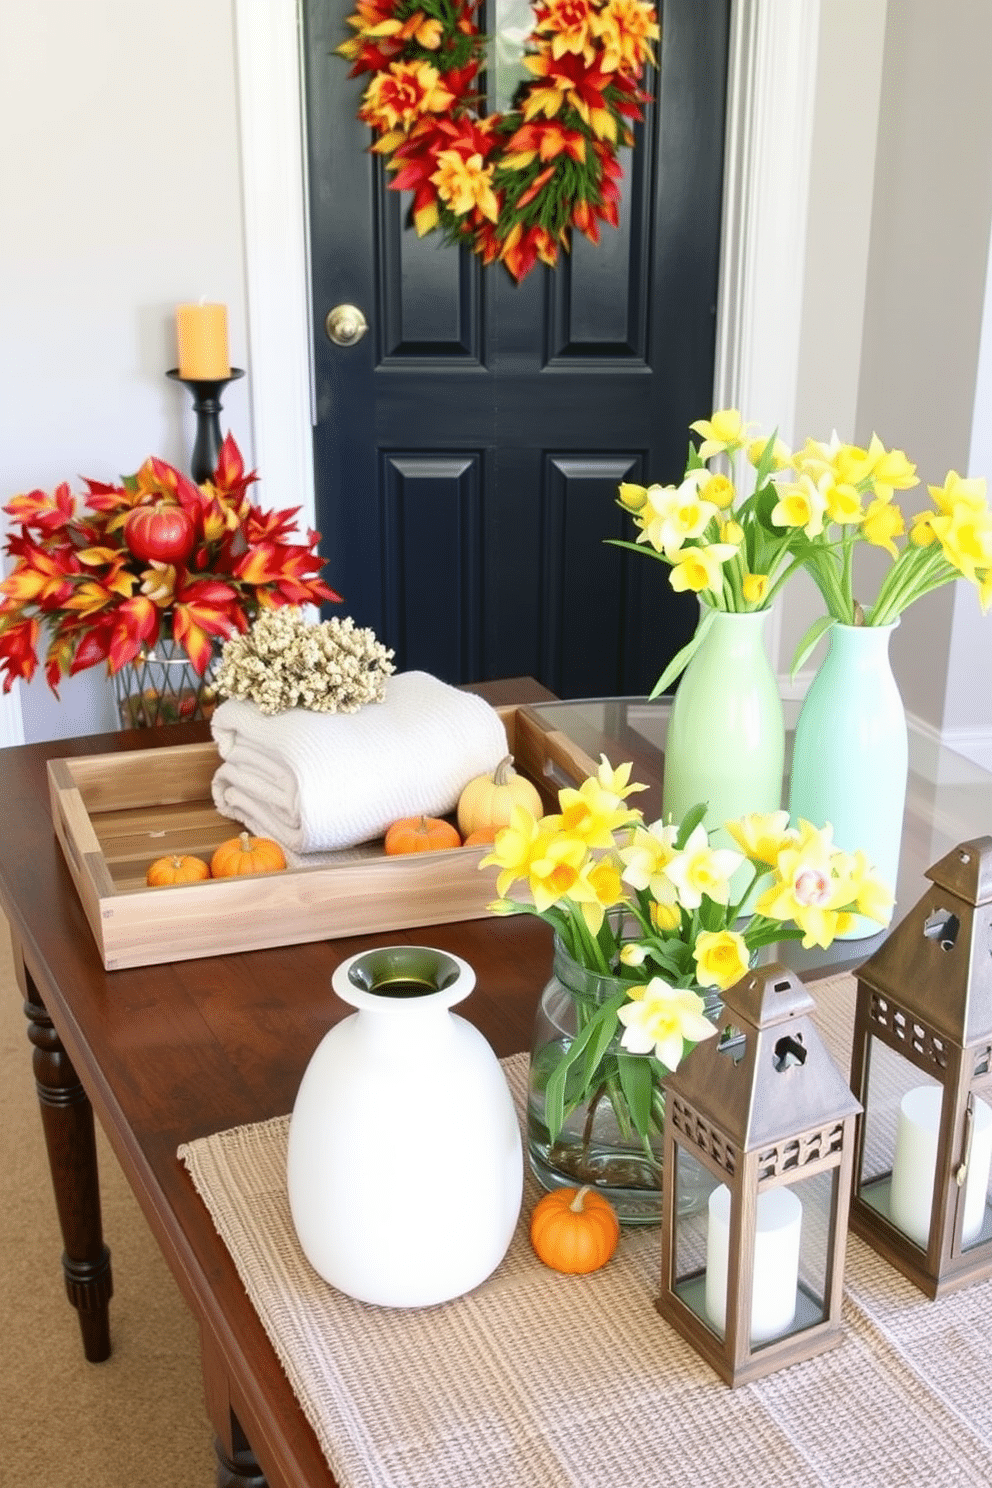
(405, 1167)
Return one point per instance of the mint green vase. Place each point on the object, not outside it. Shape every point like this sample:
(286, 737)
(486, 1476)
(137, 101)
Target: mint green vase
(726, 736)
(850, 758)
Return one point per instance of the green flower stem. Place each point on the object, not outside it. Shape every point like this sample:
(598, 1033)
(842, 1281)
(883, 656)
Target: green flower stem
(591, 953)
(591, 1108)
(619, 1103)
(917, 571)
(760, 870)
(847, 549)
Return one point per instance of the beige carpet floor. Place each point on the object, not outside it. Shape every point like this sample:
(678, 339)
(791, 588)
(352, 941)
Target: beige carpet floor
(136, 1419)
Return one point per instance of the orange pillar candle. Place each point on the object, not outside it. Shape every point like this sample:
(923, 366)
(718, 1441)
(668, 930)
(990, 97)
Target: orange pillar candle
(201, 331)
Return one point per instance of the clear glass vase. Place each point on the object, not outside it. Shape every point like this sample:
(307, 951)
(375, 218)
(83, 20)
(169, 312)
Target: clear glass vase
(163, 686)
(598, 1144)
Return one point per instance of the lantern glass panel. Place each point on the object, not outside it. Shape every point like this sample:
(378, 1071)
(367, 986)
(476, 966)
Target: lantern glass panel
(793, 1248)
(976, 1218)
(692, 1179)
(902, 1110)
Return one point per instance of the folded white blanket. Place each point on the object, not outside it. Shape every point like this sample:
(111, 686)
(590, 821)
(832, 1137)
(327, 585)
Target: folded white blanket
(319, 781)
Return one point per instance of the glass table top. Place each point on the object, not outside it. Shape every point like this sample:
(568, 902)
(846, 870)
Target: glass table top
(948, 797)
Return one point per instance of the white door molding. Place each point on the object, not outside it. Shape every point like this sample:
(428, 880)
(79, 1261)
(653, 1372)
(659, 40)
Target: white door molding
(771, 92)
(273, 175)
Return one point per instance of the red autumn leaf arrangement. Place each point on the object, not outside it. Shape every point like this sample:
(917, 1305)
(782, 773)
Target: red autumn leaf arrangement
(108, 574)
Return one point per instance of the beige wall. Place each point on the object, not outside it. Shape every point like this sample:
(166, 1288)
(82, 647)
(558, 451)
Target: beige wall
(896, 332)
(842, 181)
(121, 196)
(926, 287)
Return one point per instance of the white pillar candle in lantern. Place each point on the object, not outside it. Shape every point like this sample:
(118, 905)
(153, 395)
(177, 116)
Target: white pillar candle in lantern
(914, 1165)
(776, 1261)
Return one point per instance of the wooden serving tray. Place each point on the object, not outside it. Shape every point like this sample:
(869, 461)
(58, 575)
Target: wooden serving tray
(115, 813)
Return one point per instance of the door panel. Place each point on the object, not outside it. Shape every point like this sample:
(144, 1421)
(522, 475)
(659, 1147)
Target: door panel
(468, 448)
(433, 559)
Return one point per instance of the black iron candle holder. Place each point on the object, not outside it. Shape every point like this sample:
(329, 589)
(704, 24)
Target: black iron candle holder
(207, 407)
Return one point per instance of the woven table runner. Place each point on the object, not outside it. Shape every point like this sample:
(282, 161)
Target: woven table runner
(538, 1380)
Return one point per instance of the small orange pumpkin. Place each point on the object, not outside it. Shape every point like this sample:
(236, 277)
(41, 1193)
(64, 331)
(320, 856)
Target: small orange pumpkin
(247, 854)
(574, 1230)
(482, 835)
(177, 869)
(412, 834)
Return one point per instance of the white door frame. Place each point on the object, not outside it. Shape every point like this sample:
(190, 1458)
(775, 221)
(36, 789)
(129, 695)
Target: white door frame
(771, 89)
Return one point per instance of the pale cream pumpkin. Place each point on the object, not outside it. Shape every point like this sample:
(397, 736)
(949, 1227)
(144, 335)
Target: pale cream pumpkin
(488, 800)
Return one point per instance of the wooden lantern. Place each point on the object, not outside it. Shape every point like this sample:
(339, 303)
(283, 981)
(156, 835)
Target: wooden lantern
(759, 1150)
(922, 1067)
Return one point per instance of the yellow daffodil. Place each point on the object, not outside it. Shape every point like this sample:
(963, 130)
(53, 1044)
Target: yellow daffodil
(660, 1020)
(665, 918)
(814, 458)
(721, 957)
(700, 869)
(514, 847)
(646, 858)
(673, 515)
(719, 491)
(868, 894)
(891, 471)
(602, 877)
(754, 588)
(921, 533)
(851, 464)
(809, 887)
(731, 532)
(761, 835)
(632, 496)
(802, 503)
(597, 809)
(781, 454)
(617, 781)
(959, 491)
(883, 521)
(965, 538)
(699, 568)
(724, 431)
(557, 873)
(843, 503)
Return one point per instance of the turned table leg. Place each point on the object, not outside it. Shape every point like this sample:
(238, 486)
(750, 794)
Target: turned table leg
(236, 1463)
(67, 1119)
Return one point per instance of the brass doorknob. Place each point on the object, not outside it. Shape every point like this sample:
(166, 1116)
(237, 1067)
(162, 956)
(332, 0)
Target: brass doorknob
(345, 325)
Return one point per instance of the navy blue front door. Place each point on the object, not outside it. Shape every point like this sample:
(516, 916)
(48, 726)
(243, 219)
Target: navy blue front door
(469, 446)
